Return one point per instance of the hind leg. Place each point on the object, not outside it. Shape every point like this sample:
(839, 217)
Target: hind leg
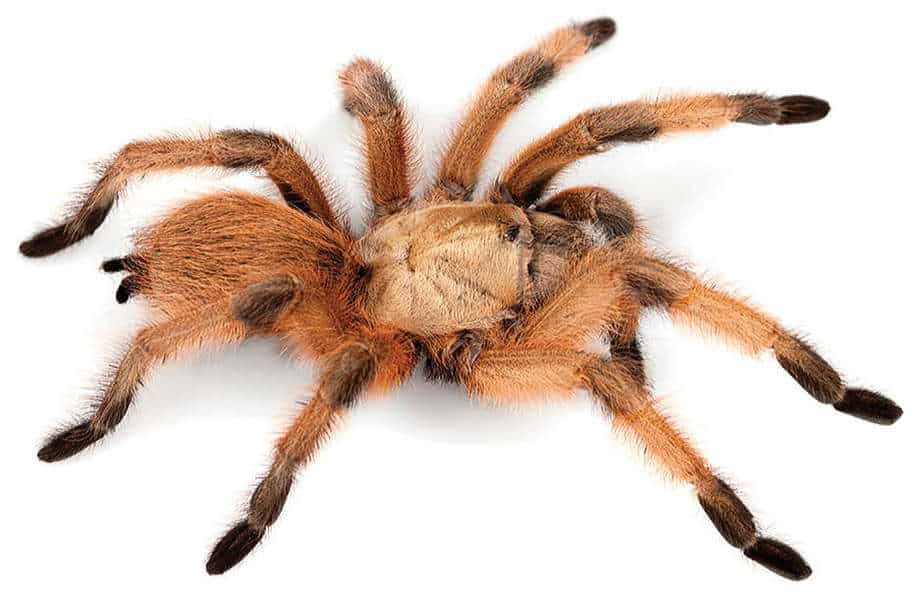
(154, 344)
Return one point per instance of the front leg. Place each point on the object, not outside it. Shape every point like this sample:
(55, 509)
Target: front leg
(594, 131)
(370, 95)
(506, 89)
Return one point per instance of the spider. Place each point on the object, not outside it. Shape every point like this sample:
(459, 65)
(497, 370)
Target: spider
(499, 293)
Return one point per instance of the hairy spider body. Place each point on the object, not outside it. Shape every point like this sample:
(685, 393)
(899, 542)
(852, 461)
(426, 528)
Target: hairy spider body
(499, 294)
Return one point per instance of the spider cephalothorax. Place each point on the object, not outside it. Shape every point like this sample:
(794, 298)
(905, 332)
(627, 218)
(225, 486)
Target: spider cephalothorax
(499, 294)
(435, 270)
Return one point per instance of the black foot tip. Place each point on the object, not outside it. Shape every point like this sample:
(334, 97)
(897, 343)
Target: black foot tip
(45, 243)
(233, 547)
(868, 405)
(598, 30)
(69, 442)
(778, 557)
(113, 265)
(801, 109)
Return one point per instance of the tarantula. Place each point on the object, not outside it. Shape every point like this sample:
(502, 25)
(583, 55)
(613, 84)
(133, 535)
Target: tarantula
(499, 294)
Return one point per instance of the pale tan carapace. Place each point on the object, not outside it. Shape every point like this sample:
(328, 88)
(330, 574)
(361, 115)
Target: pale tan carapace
(447, 268)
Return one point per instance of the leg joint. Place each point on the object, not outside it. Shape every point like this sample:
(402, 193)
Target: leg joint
(248, 148)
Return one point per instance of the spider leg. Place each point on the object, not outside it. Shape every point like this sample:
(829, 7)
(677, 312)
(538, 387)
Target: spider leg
(633, 410)
(349, 371)
(370, 95)
(625, 347)
(154, 344)
(301, 441)
(598, 130)
(514, 371)
(542, 356)
(296, 180)
(658, 283)
(504, 91)
(665, 285)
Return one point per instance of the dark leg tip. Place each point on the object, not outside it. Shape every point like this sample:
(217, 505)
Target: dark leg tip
(233, 547)
(778, 557)
(113, 265)
(871, 406)
(69, 442)
(801, 109)
(598, 30)
(46, 242)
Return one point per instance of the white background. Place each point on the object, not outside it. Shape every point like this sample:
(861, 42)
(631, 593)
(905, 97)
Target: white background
(425, 496)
